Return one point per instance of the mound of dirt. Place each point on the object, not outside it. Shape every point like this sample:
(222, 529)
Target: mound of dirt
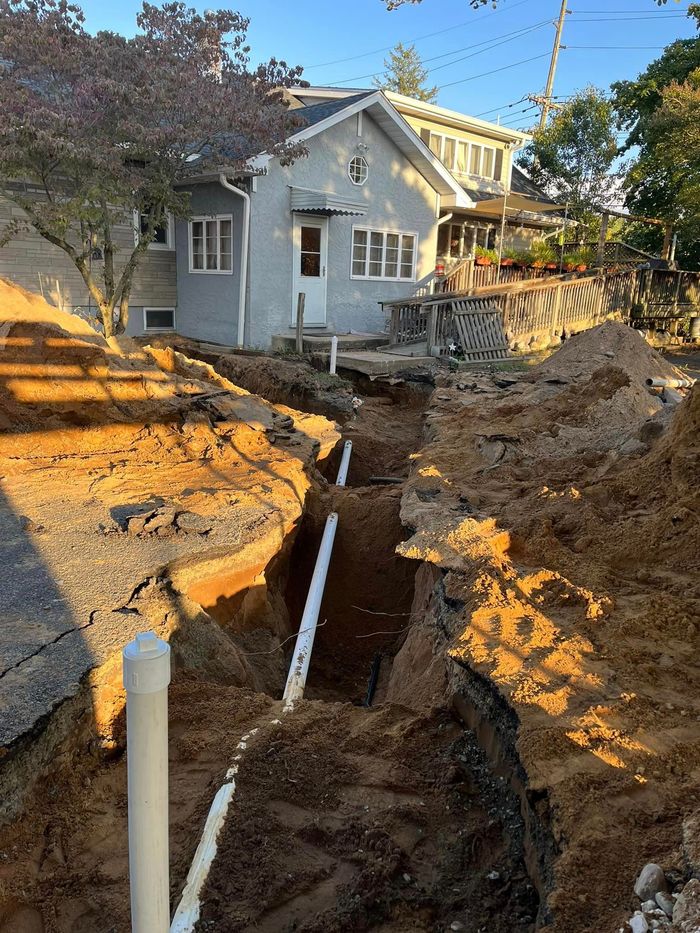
(568, 612)
(120, 468)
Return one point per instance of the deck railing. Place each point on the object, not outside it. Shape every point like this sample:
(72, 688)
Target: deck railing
(468, 275)
(545, 309)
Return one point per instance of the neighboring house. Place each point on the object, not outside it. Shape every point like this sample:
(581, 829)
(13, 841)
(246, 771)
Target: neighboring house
(480, 157)
(37, 265)
(388, 185)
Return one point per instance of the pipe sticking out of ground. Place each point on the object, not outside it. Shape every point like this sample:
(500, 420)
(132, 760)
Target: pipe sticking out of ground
(344, 464)
(146, 675)
(657, 382)
(299, 668)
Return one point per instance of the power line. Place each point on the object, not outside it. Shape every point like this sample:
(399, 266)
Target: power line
(501, 107)
(649, 48)
(494, 71)
(507, 37)
(489, 48)
(628, 19)
(428, 35)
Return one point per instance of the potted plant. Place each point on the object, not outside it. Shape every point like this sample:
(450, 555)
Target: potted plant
(523, 258)
(569, 262)
(544, 255)
(584, 258)
(510, 257)
(483, 257)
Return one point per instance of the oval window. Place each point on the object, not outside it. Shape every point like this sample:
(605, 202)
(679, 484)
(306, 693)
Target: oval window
(358, 170)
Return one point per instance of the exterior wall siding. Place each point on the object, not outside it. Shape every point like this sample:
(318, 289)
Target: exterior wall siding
(32, 262)
(208, 302)
(397, 198)
(475, 181)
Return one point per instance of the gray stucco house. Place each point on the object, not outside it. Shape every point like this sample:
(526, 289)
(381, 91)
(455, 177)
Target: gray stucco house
(352, 223)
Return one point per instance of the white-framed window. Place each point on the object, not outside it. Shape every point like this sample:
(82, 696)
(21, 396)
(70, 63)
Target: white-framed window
(383, 254)
(211, 244)
(164, 236)
(463, 157)
(158, 319)
(358, 170)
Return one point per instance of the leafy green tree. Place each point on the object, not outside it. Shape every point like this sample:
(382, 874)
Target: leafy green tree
(659, 180)
(572, 158)
(405, 74)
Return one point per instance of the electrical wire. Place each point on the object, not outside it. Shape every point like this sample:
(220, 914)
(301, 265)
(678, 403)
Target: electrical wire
(494, 71)
(491, 43)
(620, 48)
(428, 35)
(488, 49)
(501, 107)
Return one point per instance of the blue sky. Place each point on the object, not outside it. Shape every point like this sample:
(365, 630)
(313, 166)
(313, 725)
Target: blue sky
(607, 40)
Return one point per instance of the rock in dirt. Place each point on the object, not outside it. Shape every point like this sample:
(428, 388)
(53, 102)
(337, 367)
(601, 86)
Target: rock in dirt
(664, 903)
(638, 923)
(191, 522)
(650, 881)
(686, 910)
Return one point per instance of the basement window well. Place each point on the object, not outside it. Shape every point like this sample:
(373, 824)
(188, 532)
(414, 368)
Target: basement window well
(159, 319)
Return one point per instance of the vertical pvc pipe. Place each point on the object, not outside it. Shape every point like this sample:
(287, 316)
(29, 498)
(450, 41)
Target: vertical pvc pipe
(296, 681)
(344, 464)
(334, 354)
(146, 672)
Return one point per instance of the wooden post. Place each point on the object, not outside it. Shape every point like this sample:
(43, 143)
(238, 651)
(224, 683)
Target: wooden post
(301, 300)
(557, 310)
(470, 275)
(668, 240)
(432, 329)
(600, 258)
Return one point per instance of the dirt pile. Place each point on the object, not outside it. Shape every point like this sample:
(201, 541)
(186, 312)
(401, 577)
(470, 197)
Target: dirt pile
(126, 473)
(279, 380)
(568, 605)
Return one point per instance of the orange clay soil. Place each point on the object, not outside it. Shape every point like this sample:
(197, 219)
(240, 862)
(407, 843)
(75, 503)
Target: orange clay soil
(564, 515)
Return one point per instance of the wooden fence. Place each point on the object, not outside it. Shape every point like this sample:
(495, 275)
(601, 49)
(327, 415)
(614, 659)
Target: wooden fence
(537, 312)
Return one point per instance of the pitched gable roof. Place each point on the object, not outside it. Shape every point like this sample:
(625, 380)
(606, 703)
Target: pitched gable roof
(322, 116)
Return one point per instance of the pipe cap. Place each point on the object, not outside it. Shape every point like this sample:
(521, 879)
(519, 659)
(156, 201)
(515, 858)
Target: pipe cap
(146, 664)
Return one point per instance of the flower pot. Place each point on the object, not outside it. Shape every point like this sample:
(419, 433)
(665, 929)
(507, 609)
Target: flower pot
(537, 264)
(482, 261)
(551, 265)
(581, 267)
(506, 262)
(569, 266)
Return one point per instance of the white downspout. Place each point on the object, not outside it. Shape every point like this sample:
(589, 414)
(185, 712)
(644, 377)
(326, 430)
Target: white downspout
(223, 181)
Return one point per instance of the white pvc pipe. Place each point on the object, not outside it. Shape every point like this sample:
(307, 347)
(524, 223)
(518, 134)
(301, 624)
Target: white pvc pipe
(334, 354)
(242, 285)
(146, 675)
(296, 681)
(659, 382)
(344, 464)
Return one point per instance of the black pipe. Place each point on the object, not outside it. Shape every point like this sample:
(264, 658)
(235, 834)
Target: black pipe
(373, 678)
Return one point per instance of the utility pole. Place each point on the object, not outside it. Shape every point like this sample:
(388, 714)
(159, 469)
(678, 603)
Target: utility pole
(547, 102)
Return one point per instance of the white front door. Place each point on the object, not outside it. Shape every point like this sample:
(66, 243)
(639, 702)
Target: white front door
(310, 256)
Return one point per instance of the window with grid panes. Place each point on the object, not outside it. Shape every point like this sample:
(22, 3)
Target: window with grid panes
(380, 254)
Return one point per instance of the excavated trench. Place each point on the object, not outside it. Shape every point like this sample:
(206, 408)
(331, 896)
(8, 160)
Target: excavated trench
(348, 816)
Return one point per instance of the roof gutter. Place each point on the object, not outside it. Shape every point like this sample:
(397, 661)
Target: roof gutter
(243, 278)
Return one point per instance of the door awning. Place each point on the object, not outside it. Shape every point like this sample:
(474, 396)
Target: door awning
(309, 201)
